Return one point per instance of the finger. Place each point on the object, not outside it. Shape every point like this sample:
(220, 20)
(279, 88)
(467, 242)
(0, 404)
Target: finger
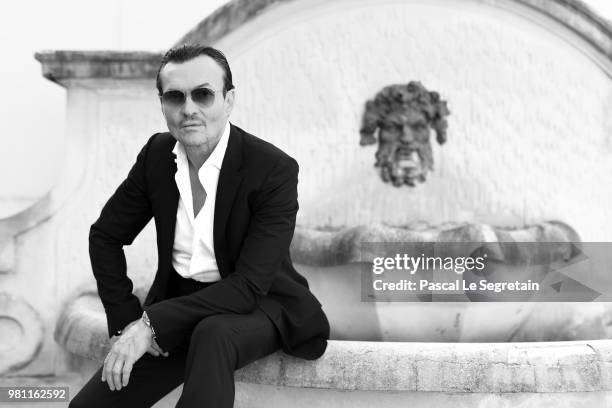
(113, 374)
(104, 368)
(108, 364)
(152, 350)
(164, 353)
(156, 347)
(127, 370)
(128, 365)
(107, 370)
(117, 370)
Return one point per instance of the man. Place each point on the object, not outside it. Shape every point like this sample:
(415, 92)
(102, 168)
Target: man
(225, 292)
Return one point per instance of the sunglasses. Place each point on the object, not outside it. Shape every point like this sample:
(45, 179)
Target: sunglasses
(203, 97)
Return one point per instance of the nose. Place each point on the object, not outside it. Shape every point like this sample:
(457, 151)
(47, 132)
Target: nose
(406, 135)
(189, 107)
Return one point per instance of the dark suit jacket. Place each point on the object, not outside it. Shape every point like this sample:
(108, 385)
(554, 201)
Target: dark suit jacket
(255, 211)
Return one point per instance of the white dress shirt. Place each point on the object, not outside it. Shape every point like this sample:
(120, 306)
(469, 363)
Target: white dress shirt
(193, 253)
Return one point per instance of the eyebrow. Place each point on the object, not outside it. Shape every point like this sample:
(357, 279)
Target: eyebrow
(170, 88)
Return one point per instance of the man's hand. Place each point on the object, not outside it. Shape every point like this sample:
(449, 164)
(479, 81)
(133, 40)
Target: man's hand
(125, 351)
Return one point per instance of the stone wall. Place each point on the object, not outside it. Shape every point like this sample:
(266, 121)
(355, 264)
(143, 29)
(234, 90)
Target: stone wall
(530, 129)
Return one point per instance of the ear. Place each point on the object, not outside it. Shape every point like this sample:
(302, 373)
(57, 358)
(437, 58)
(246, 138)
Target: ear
(161, 106)
(439, 122)
(369, 124)
(229, 101)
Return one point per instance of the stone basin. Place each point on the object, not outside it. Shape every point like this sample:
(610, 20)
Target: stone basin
(330, 260)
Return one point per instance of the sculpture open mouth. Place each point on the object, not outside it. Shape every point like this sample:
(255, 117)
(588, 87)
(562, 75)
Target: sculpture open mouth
(402, 166)
(407, 159)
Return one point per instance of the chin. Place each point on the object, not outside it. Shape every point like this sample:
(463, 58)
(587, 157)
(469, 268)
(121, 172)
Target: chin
(191, 135)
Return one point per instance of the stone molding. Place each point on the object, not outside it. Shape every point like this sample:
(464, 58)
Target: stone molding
(60, 66)
(573, 14)
(22, 333)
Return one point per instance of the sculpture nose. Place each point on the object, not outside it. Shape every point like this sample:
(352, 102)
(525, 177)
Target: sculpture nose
(406, 136)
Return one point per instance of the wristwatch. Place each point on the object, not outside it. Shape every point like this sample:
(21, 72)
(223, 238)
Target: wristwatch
(147, 322)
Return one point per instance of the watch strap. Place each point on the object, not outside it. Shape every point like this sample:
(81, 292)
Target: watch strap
(147, 322)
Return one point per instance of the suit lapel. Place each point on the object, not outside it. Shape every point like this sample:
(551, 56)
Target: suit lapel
(230, 178)
(169, 205)
(167, 197)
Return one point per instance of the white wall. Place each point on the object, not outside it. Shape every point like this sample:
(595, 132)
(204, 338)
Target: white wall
(32, 109)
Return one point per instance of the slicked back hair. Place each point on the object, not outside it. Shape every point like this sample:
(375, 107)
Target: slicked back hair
(188, 52)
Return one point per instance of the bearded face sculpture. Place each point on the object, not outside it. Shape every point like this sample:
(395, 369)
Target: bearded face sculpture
(402, 117)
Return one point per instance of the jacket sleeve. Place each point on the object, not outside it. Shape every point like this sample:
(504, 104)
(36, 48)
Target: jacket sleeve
(265, 246)
(125, 214)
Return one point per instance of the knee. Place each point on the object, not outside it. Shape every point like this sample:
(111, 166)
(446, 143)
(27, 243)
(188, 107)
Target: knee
(213, 330)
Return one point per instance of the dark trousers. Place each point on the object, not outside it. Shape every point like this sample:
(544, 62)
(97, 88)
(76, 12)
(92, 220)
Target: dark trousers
(219, 345)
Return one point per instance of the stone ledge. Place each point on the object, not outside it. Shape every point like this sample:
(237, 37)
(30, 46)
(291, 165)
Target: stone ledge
(575, 366)
(315, 247)
(59, 66)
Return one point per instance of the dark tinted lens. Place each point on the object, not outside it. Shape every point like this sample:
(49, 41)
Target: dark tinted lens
(173, 98)
(203, 96)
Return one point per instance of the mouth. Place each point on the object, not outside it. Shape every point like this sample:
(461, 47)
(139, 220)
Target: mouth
(407, 158)
(191, 125)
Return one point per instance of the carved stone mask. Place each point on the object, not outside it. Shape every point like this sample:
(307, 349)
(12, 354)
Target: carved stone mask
(402, 116)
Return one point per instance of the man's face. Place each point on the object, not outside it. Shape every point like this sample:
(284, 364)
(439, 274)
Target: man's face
(191, 123)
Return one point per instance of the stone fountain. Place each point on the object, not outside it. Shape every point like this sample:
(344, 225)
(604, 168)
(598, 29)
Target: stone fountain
(517, 166)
